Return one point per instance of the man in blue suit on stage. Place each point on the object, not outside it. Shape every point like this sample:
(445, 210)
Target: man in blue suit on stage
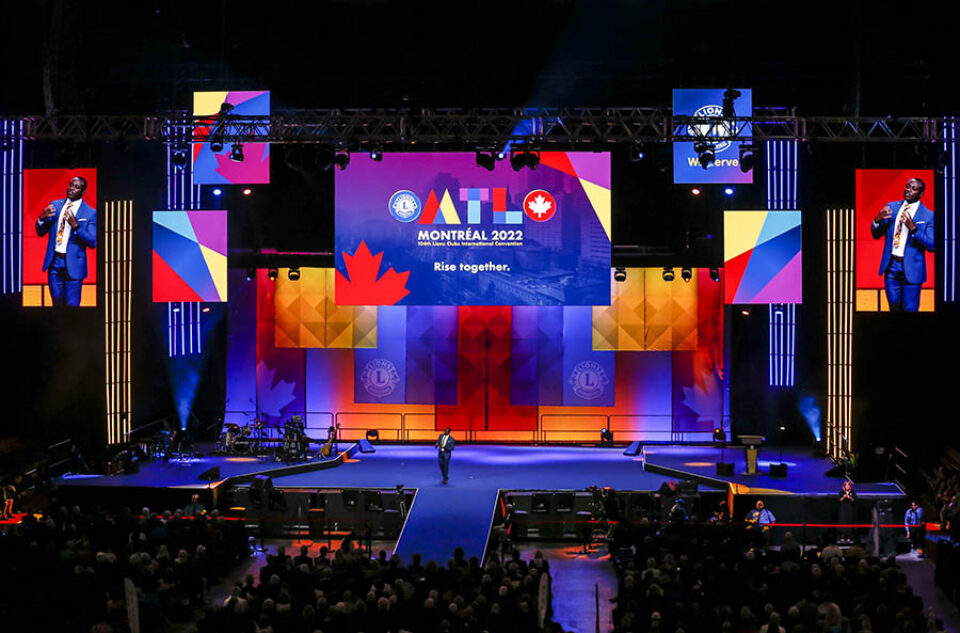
(72, 225)
(445, 445)
(907, 227)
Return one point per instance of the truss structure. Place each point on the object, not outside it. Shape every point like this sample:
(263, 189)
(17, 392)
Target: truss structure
(490, 128)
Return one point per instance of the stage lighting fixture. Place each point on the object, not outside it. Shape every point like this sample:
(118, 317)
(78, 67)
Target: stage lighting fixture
(606, 437)
(729, 96)
(620, 274)
(247, 191)
(501, 155)
(748, 157)
(667, 273)
(272, 274)
(686, 274)
(293, 273)
(519, 160)
(217, 191)
(715, 275)
(251, 274)
(719, 436)
(376, 154)
(236, 153)
(636, 153)
(696, 191)
(486, 160)
(216, 146)
(205, 309)
(179, 156)
(341, 160)
(706, 153)
(728, 191)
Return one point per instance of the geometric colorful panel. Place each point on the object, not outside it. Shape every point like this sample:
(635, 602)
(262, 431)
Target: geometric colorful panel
(190, 256)
(306, 315)
(218, 168)
(762, 257)
(647, 314)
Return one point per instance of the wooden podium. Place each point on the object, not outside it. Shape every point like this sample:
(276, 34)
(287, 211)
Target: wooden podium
(752, 444)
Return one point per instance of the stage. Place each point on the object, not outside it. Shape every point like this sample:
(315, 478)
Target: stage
(461, 513)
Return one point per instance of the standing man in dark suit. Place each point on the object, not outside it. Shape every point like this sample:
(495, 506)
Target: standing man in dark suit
(445, 446)
(907, 227)
(72, 225)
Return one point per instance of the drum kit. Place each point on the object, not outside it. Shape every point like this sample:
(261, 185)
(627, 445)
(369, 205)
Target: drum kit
(287, 442)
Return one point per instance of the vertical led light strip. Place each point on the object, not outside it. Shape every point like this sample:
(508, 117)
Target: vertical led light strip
(782, 195)
(11, 196)
(118, 248)
(840, 293)
(949, 247)
(183, 319)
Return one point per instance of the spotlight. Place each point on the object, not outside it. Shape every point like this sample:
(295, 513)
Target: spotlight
(205, 309)
(236, 153)
(745, 311)
(715, 275)
(519, 160)
(748, 157)
(179, 156)
(686, 274)
(606, 437)
(695, 191)
(719, 436)
(247, 191)
(486, 160)
(376, 154)
(293, 273)
(217, 191)
(341, 160)
(272, 274)
(251, 274)
(706, 153)
(216, 146)
(729, 96)
(620, 274)
(728, 191)
(667, 274)
(501, 155)
(636, 153)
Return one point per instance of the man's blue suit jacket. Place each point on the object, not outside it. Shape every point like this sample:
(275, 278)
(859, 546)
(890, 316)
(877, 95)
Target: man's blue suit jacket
(81, 238)
(914, 262)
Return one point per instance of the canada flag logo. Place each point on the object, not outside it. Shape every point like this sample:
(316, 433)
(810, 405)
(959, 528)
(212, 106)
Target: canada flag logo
(539, 205)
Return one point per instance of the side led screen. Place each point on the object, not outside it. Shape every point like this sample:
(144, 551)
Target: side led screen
(436, 229)
(707, 159)
(895, 225)
(60, 237)
(222, 162)
(189, 256)
(763, 258)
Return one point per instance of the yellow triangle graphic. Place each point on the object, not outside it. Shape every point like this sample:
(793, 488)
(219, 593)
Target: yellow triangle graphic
(740, 231)
(449, 212)
(600, 199)
(217, 264)
(208, 103)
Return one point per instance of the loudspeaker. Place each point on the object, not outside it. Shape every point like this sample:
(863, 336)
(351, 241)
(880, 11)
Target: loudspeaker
(632, 450)
(365, 446)
(778, 470)
(211, 474)
(260, 489)
(724, 469)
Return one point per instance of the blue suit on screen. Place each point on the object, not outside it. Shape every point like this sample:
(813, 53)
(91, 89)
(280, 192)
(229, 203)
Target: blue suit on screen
(74, 265)
(902, 280)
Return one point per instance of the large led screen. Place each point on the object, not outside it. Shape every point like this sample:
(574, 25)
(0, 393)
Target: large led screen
(762, 257)
(231, 163)
(190, 256)
(895, 227)
(60, 237)
(436, 229)
(708, 105)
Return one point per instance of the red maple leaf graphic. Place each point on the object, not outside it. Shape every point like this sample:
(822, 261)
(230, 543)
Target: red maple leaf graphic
(363, 288)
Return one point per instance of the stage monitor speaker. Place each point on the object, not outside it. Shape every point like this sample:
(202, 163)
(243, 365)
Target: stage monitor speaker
(260, 489)
(633, 449)
(540, 503)
(211, 474)
(778, 470)
(365, 446)
(563, 502)
(687, 487)
(724, 469)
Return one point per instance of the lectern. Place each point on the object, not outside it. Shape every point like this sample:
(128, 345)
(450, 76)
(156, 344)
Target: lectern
(752, 444)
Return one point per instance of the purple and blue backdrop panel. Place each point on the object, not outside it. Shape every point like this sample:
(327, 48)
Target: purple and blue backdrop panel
(379, 373)
(190, 256)
(762, 257)
(240, 403)
(431, 364)
(524, 357)
(327, 389)
(217, 168)
(281, 372)
(698, 392)
(436, 229)
(709, 103)
(588, 376)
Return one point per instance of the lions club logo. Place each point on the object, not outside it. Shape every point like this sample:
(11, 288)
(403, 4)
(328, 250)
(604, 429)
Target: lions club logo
(589, 380)
(719, 128)
(405, 206)
(379, 377)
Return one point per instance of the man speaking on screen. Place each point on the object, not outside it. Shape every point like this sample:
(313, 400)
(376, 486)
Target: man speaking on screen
(72, 225)
(907, 227)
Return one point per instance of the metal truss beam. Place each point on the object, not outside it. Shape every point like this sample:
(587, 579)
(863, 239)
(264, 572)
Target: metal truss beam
(484, 128)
